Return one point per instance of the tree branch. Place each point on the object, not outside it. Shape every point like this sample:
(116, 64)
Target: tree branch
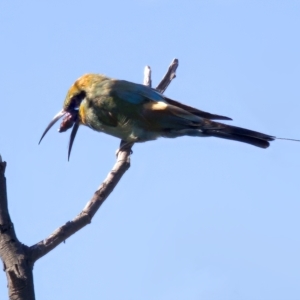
(62, 233)
(13, 253)
(169, 76)
(147, 76)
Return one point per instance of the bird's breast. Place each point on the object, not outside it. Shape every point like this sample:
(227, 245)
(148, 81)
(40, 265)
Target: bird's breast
(118, 125)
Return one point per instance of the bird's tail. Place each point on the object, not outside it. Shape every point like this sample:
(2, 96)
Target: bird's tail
(239, 134)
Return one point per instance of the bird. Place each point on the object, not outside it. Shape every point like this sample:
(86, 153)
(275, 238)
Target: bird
(136, 113)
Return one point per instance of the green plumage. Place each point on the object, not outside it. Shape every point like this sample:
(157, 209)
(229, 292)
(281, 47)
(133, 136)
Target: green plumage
(137, 113)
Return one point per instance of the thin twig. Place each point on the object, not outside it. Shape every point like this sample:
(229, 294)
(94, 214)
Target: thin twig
(147, 76)
(4, 215)
(169, 76)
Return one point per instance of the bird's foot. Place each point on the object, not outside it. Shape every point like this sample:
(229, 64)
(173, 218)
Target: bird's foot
(124, 146)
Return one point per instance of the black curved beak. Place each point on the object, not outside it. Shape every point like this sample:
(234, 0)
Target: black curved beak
(72, 137)
(71, 119)
(55, 119)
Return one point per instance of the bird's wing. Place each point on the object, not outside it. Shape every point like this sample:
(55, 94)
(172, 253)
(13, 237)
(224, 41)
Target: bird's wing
(135, 93)
(152, 105)
(141, 94)
(166, 115)
(195, 111)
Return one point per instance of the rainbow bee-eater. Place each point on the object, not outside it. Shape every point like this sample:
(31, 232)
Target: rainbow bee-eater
(137, 113)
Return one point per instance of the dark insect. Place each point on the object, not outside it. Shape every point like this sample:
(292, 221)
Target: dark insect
(68, 121)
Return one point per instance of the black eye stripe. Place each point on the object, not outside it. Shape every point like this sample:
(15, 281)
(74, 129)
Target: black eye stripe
(76, 100)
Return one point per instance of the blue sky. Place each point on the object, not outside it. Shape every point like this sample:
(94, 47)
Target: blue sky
(192, 218)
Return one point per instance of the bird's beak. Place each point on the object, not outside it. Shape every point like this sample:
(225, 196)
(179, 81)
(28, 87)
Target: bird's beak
(72, 136)
(55, 119)
(71, 119)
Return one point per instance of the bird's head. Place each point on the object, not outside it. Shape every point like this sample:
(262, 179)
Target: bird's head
(70, 111)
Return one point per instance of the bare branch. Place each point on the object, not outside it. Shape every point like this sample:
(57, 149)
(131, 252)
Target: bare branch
(13, 253)
(147, 76)
(169, 76)
(4, 215)
(62, 233)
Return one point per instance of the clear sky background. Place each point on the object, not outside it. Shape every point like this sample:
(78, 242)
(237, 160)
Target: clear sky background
(193, 218)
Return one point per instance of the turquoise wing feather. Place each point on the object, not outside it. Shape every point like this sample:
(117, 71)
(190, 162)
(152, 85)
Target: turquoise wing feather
(140, 94)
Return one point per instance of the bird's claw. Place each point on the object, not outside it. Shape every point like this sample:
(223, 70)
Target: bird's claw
(124, 146)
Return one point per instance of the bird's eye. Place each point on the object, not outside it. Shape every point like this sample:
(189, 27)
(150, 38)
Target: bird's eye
(76, 100)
